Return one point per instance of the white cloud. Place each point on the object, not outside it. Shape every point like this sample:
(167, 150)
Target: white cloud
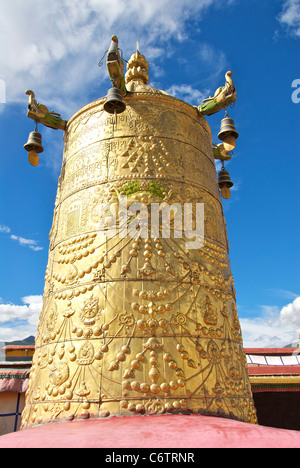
(32, 244)
(258, 333)
(14, 333)
(187, 93)
(283, 293)
(4, 229)
(212, 58)
(290, 16)
(290, 314)
(20, 320)
(54, 47)
(273, 328)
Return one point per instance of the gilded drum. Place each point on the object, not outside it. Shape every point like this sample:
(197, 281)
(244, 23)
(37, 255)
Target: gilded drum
(136, 322)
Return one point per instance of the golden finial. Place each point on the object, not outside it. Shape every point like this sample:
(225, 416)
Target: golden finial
(137, 68)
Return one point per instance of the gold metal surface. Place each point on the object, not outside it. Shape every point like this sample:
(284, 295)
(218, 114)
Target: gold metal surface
(257, 380)
(137, 326)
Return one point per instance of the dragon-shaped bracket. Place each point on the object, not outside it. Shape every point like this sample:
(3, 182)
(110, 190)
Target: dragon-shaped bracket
(223, 97)
(115, 65)
(40, 113)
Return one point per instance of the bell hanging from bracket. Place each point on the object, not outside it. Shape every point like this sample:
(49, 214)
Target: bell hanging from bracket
(114, 103)
(224, 183)
(34, 146)
(228, 133)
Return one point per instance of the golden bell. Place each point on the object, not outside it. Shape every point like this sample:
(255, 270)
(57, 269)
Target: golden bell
(34, 142)
(224, 183)
(114, 103)
(227, 129)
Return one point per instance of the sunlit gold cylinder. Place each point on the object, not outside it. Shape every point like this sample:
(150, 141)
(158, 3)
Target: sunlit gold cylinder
(137, 326)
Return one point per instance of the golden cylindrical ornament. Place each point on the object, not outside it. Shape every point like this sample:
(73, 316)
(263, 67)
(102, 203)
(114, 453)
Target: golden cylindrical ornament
(137, 324)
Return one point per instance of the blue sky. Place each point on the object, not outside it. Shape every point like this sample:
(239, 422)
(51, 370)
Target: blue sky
(54, 47)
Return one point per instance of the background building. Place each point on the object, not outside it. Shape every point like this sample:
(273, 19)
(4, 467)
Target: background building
(15, 363)
(275, 382)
